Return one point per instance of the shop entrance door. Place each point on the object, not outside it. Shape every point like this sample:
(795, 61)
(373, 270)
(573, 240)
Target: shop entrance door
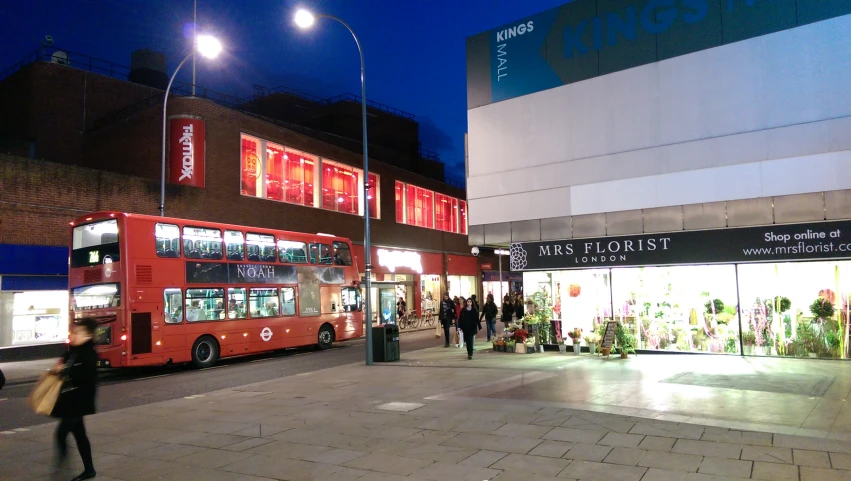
(387, 305)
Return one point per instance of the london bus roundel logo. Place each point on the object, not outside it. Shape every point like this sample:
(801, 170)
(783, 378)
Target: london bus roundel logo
(266, 334)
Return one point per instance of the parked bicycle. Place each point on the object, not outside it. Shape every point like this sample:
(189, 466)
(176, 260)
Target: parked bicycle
(409, 319)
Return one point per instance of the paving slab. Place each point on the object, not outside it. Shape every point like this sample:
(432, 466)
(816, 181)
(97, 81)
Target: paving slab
(495, 421)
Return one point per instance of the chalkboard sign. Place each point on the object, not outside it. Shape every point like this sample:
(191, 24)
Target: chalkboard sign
(609, 335)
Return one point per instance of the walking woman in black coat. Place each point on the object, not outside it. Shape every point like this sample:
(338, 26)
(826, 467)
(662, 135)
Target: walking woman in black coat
(78, 368)
(468, 322)
(446, 315)
(507, 310)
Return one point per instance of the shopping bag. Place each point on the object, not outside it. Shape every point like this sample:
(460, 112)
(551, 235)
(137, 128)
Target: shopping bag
(457, 338)
(437, 331)
(44, 395)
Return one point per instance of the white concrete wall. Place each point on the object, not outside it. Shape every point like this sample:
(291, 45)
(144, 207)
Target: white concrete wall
(762, 117)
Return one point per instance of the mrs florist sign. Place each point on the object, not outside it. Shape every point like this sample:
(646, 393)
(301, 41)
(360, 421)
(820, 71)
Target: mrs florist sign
(822, 240)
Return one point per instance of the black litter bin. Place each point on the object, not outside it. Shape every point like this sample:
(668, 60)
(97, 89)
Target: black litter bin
(385, 343)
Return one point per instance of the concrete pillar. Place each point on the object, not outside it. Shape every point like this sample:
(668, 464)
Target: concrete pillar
(7, 301)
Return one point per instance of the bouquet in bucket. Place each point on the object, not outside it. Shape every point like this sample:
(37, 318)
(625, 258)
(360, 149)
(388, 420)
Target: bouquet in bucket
(575, 335)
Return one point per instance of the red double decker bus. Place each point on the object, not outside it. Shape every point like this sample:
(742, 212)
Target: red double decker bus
(171, 290)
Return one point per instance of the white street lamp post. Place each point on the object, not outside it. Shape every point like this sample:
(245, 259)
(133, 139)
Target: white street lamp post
(208, 47)
(305, 19)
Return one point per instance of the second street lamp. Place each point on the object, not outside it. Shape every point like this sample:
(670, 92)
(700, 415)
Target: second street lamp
(305, 19)
(208, 47)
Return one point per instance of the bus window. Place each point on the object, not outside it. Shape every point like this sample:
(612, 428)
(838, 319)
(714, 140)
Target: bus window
(351, 299)
(260, 247)
(168, 240)
(342, 254)
(204, 304)
(94, 243)
(201, 243)
(236, 303)
(320, 254)
(292, 252)
(235, 245)
(287, 301)
(263, 302)
(173, 305)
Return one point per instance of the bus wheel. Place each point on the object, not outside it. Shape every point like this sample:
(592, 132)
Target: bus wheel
(326, 336)
(205, 352)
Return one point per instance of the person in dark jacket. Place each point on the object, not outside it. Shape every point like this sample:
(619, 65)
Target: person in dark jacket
(489, 312)
(446, 315)
(507, 310)
(468, 322)
(518, 307)
(475, 302)
(78, 368)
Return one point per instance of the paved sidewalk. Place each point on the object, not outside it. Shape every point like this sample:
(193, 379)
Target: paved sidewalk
(448, 420)
(25, 371)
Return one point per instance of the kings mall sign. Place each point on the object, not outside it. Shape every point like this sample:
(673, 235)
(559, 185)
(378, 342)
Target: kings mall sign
(588, 38)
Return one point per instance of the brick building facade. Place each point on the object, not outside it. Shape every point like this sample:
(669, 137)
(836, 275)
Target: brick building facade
(77, 141)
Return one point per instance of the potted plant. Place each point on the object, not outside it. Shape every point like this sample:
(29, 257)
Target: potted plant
(576, 337)
(562, 347)
(625, 340)
(822, 308)
(748, 342)
(592, 340)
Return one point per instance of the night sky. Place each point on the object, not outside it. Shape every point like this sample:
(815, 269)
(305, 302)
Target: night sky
(414, 49)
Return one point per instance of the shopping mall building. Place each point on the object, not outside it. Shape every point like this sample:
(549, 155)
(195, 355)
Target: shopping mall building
(682, 166)
(79, 135)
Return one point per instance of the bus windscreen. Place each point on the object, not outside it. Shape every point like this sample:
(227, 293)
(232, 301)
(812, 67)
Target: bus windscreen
(95, 244)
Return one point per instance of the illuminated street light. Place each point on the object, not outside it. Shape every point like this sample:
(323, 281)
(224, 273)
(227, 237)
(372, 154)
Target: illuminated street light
(305, 19)
(208, 47)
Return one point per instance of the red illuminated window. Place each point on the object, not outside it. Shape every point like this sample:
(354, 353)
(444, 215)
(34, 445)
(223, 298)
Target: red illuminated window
(250, 165)
(374, 194)
(340, 188)
(442, 214)
(274, 172)
(400, 202)
(433, 210)
(298, 177)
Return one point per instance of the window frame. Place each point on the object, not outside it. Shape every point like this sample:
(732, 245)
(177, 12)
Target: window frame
(306, 250)
(335, 246)
(228, 306)
(260, 246)
(267, 289)
(202, 239)
(187, 298)
(281, 302)
(241, 245)
(157, 240)
(320, 249)
(168, 318)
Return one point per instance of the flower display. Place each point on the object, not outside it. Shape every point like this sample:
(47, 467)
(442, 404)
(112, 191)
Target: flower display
(574, 290)
(575, 334)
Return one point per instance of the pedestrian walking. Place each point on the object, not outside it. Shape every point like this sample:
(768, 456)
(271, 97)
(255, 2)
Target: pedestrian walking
(489, 312)
(518, 307)
(507, 310)
(469, 325)
(446, 316)
(475, 302)
(459, 306)
(78, 369)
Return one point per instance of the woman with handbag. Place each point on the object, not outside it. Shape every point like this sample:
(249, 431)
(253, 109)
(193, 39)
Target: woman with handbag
(78, 368)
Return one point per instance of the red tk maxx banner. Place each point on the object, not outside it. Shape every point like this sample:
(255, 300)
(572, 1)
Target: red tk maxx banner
(186, 152)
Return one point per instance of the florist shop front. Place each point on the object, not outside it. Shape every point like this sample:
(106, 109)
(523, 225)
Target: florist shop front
(780, 290)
